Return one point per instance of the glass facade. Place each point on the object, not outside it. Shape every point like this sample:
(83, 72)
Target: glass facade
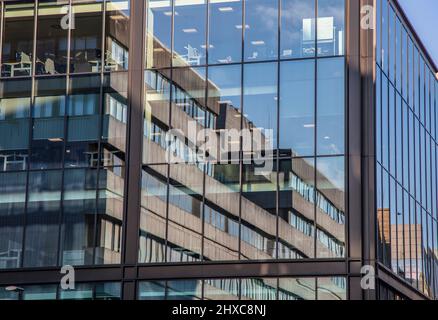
(406, 153)
(63, 121)
(147, 141)
(283, 198)
(82, 291)
(245, 289)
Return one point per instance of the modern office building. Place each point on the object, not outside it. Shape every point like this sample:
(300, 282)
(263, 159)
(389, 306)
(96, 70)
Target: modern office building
(216, 149)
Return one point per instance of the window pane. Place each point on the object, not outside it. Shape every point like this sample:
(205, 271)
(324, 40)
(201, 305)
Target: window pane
(48, 123)
(297, 108)
(156, 117)
(296, 289)
(18, 39)
(86, 38)
(330, 207)
(260, 101)
(44, 292)
(110, 215)
(224, 96)
(79, 211)
(14, 124)
(259, 289)
(42, 219)
(296, 229)
(82, 291)
(115, 117)
(261, 30)
(334, 288)
(189, 33)
(331, 27)
(221, 212)
(297, 28)
(330, 107)
(51, 49)
(221, 289)
(117, 35)
(158, 43)
(152, 290)
(185, 213)
(225, 38)
(108, 291)
(84, 109)
(12, 205)
(152, 247)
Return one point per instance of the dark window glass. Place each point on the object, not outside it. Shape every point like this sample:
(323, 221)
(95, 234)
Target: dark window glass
(18, 31)
(152, 290)
(12, 204)
(86, 38)
(83, 109)
(42, 219)
(261, 30)
(48, 123)
(297, 108)
(14, 124)
(330, 107)
(297, 29)
(79, 211)
(51, 47)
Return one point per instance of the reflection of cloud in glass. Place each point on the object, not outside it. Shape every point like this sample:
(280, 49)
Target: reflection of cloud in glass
(289, 14)
(333, 170)
(268, 16)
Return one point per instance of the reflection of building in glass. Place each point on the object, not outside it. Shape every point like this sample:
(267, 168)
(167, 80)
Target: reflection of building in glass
(219, 149)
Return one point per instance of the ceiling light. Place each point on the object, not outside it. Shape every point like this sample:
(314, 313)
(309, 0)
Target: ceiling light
(189, 30)
(226, 9)
(258, 43)
(239, 26)
(310, 125)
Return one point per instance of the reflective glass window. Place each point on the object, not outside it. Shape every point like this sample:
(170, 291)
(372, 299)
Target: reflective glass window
(330, 30)
(225, 34)
(86, 38)
(158, 34)
(189, 33)
(117, 35)
(297, 108)
(14, 124)
(330, 107)
(42, 219)
(261, 30)
(298, 30)
(18, 32)
(330, 183)
(52, 38)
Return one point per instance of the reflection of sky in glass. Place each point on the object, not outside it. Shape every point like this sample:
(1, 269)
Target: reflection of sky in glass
(260, 96)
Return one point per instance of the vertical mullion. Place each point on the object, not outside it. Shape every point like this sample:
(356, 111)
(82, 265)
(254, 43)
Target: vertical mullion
(315, 144)
(240, 153)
